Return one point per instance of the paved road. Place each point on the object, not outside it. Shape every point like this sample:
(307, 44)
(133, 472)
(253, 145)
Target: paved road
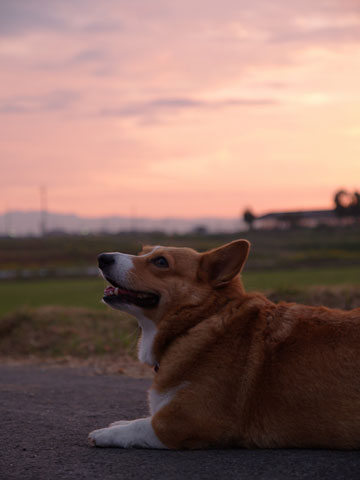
(46, 414)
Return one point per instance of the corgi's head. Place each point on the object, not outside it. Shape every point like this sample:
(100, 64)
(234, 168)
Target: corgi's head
(160, 279)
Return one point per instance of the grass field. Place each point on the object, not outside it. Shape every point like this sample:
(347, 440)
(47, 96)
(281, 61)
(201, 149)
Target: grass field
(301, 278)
(87, 292)
(82, 292)
(270, 249)
(63, 319)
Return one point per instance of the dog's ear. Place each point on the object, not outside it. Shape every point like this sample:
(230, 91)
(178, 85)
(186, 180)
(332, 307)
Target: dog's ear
(145, 249)
(222, 264)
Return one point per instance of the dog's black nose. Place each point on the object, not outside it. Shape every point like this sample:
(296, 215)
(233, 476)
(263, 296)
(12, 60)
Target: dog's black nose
(105, 259)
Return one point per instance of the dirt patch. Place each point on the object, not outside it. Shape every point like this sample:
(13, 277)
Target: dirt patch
(105, 341)
(121, 365)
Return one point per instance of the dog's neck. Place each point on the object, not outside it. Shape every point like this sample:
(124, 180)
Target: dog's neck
(179, 321)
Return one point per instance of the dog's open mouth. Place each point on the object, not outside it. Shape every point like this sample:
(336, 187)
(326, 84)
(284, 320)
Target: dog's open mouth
(141, 299)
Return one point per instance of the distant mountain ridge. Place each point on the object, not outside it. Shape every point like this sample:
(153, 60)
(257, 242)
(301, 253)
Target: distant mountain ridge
(22, 223)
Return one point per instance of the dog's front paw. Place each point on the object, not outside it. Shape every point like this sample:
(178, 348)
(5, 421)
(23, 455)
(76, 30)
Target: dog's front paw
(103, 437)
(120, 422)
(136, 433)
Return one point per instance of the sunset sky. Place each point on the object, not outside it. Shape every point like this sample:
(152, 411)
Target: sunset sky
(178, 108)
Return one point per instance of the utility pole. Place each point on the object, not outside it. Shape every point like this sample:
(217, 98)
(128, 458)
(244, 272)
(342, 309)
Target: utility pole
(43, 209)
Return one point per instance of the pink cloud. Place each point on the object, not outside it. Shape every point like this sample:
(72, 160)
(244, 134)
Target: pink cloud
(99, 100)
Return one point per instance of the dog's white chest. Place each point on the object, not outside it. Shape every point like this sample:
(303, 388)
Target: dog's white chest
(149, 331)
(159, 400)
(148, 335)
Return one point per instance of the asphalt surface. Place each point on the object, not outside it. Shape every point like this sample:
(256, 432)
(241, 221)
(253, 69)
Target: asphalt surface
(46, 414)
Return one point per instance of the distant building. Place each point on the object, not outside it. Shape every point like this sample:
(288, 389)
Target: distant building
(303, 218)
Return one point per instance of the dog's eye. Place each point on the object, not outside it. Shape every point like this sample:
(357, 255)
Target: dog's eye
(160, 262)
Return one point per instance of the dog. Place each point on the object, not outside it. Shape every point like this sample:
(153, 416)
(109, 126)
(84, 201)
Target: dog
(233, 369)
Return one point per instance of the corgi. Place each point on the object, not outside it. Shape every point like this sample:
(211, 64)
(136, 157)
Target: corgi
(233, 369)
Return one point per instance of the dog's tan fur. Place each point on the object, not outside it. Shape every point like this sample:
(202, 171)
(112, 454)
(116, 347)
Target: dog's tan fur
(247, 372)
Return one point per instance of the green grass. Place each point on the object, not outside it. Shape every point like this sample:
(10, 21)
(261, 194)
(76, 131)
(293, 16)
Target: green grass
(87, 293)
(80, 292)
(301, 278)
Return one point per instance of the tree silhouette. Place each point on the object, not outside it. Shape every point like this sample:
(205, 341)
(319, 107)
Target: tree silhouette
(346, 204)
(355, 205)
(249, 218)
(340, 207)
